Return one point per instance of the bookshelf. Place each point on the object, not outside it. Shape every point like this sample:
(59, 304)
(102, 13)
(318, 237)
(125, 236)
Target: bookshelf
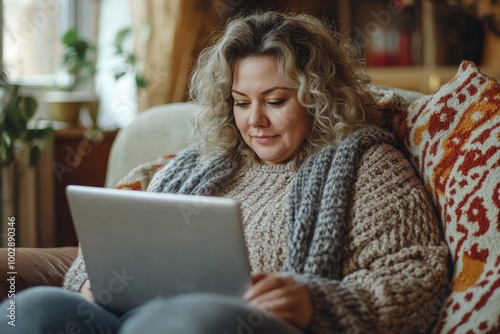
(416, 46)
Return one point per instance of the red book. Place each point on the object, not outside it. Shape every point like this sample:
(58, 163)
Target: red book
(404, 48)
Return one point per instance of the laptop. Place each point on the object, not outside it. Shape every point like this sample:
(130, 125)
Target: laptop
(141, 245)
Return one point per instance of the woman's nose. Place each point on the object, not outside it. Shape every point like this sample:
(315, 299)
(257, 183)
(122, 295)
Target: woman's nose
(257, 117)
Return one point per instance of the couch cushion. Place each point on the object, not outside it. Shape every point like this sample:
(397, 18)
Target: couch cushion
(36, 266)
(157, 131)
(453, 140)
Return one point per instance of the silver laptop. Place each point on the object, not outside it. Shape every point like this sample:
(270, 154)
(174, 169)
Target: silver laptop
(140, 245)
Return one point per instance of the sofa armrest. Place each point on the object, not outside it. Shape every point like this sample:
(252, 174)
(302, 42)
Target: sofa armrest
(160, 130)
(35, 266)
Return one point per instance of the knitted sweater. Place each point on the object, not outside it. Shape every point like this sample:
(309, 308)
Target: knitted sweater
(363, 236)
(262, 193)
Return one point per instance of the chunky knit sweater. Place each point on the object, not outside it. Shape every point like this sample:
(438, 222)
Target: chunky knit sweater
(363, 237)
(262, 193)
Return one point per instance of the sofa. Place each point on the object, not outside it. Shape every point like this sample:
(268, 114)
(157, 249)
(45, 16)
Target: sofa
(451, 137)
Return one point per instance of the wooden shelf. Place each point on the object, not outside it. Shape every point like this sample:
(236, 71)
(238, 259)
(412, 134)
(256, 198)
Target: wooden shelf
(425, 79)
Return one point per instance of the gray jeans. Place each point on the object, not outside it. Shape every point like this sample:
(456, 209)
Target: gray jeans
(51, 310)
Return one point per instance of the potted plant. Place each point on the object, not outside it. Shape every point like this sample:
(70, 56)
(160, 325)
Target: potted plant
(20, 148)
(130, 64)
(79, 57)
(15, 130)
(79, 60)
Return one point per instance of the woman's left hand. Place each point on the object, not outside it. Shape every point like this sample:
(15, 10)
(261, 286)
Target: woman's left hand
(282, 297)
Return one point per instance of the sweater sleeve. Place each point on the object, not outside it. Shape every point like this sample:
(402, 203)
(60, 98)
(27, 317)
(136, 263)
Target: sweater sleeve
(395, 265)
(77, 274)
(138, 179)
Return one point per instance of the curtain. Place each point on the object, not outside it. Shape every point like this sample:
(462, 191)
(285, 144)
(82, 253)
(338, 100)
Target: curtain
(179, 31)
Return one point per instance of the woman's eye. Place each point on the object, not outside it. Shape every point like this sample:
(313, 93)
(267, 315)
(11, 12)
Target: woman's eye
(276, 103)
(241, 104)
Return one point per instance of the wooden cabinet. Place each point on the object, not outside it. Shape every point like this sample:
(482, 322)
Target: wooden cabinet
(81, 158)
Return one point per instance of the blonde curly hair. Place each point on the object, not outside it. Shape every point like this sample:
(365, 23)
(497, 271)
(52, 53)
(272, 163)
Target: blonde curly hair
(312, 59)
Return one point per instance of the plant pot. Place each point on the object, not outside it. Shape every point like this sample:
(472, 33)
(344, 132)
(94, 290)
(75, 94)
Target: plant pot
(66, 106)
(64, 111)
(93, 109)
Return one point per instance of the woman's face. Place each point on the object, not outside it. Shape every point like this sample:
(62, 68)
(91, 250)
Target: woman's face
(267, 113)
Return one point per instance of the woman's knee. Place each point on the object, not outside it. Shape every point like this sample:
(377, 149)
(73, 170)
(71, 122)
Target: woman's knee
(42, 297)
(52, 309)
(34, 306)
(196, 313)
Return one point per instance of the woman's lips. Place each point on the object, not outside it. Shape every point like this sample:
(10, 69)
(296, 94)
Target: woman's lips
(263, 139)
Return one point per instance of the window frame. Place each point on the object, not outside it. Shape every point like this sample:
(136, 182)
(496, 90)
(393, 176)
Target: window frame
(67, 17)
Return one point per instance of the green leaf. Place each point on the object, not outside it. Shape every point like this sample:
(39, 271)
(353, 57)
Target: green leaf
(119, 74)
(90, 66)
(73, 67)
(16, 127)
(79, 57)
(80, 47)
(34, 134)
(140, 81)
(130, 59)
(70, 37)
(14, 123)
(34, 155)
(6, 150)
(120, 38)
(17, 112)
(27, 107)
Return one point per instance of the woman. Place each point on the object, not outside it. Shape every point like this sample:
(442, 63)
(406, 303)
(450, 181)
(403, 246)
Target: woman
(341, 235)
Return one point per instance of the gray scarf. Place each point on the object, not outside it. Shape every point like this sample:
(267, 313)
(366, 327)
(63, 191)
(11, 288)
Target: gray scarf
(319, 200)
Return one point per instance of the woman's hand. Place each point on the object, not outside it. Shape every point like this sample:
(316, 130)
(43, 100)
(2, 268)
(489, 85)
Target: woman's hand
(86, 291)
(282, 297)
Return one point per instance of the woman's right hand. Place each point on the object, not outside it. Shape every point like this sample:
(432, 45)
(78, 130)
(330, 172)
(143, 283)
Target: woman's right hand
(86, 291)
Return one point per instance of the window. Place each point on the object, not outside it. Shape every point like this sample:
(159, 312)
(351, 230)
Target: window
(32, 49)
(31, 39)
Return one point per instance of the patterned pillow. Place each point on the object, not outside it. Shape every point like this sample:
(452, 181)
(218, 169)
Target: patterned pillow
(453, 140)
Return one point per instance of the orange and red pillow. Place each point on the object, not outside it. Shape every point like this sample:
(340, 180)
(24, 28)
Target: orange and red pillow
(453, 140)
